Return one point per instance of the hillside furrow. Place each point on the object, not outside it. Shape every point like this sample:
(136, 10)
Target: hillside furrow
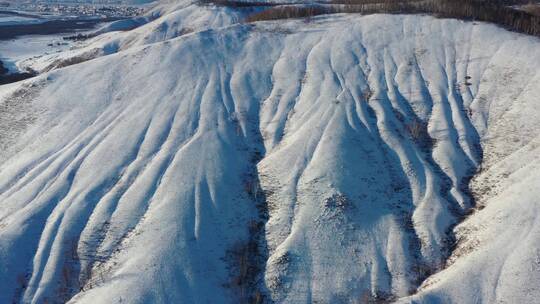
(284, 162)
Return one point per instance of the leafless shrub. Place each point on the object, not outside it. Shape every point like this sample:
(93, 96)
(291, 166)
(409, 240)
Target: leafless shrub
(338, 201)
(289, 12)
(61, 63)
(367, 94)
(533, 9)
(367, 297)
(490, 11)
(80, 37)
(421, 271)
(245, 271)
(257, 298)
(236, 4)
(185, 31)
(275, 280)
(418, 132)
(69, 274)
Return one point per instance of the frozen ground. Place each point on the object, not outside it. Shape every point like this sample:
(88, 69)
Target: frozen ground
(290, 161)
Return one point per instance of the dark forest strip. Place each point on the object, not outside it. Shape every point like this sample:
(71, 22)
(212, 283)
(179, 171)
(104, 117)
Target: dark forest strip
(50, 27)
(493, 11)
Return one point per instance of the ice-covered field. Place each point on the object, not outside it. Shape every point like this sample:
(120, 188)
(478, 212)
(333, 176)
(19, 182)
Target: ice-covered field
(10, 19)
(326, 161)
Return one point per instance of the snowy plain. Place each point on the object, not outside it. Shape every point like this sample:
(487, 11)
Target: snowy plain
(8, 19)
(343, 148)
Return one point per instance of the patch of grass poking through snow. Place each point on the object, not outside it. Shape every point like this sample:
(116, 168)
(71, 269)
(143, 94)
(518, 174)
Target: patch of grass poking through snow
(418, 132)
(17, 113)
(65, 62)
(339, 201)
(367, 297)
(246, 269)
(277, 279)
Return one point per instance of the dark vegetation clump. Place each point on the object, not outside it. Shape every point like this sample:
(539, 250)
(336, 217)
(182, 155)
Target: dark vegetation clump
(289, 12)
(246, 258)
(418, 132)
(79, 37)
(237, 4)
(380, 297)
(533, 9)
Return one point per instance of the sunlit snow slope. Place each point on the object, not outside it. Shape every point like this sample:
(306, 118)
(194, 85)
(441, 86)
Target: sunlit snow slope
(293, 162)
(165, 20)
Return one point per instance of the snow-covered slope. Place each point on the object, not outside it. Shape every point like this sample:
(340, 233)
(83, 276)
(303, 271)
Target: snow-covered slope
(497, 259)
(321, 162)
(166, 20)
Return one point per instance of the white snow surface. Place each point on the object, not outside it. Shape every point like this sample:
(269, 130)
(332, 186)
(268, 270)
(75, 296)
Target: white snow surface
(166, 20)
(132, 177)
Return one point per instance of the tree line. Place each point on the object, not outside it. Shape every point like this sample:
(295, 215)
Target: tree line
(494, 11)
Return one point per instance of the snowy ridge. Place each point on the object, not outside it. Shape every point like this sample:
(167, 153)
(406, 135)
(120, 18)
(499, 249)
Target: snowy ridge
(166, 20)
(356, 136)
(497, 257)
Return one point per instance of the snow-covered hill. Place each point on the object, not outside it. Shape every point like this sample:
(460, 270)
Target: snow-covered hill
(166, 20)
(289, 161)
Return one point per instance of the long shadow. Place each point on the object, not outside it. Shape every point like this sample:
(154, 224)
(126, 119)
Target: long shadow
(445, 182)
(6, 77)
(253, 265)
(403, 205)
(247, 259)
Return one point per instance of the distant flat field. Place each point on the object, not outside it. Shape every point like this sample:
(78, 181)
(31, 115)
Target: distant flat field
(10, 31)
(14, 24)
(11, 19)
(25, 35)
